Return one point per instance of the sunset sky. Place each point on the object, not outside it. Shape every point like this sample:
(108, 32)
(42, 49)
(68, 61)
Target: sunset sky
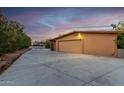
(42, 23)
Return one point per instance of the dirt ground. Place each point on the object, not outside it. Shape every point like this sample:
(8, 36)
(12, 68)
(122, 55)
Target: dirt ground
(7, 59)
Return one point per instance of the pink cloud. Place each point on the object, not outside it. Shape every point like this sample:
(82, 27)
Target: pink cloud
(100, 20)
(27, 17)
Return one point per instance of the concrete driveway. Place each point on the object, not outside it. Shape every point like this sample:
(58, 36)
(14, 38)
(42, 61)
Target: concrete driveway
(44, 67)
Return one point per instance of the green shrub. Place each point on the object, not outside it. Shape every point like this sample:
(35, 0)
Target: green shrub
(3, 42)
(120, 41)
(47, 44)
(12, 37)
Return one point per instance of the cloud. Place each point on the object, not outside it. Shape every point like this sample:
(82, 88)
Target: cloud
(44, 22)
(48, 22)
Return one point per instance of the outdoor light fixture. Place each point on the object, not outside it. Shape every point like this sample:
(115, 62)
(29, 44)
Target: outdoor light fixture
(79, 36)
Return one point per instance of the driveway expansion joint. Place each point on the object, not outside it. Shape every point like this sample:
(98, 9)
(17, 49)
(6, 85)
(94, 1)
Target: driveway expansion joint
(65, 73)
(105, 74)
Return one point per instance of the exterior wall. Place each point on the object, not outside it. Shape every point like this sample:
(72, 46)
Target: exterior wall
(69, 37)
(100, 44)
(73, 36)
(70, 43)
(92, 43)
(54, 46)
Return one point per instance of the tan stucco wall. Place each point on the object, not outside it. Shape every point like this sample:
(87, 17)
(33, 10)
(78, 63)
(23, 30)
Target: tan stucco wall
(69, 37)
(53, 45)
(95, 43)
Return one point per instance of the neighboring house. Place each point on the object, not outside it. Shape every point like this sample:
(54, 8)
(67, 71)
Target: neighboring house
(87, 42)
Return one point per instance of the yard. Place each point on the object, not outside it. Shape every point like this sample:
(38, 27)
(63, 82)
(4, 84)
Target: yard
(44, 67)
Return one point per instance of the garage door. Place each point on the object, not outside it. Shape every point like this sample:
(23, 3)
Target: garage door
(70, 46)
(100, 45)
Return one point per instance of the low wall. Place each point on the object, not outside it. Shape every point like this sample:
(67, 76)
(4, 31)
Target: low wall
(121, 53)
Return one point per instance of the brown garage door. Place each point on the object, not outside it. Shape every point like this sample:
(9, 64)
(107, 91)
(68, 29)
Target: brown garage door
(99, 44)
(70, 46)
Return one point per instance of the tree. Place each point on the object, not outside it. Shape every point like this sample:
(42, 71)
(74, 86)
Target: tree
(14, 30)
(12, 36)
(3, 42)
(3, 35)
(47, 43)
(120, 26)
(120, 41)
(120, 37)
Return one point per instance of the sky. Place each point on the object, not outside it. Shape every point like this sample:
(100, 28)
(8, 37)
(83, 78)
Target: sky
(47, 22)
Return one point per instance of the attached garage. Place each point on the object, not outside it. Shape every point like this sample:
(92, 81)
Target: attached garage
(71, 46)
(100, 44)
(87, 42)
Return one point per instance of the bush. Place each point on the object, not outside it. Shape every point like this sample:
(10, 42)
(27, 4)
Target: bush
(12, 37)
(47, 44)
(3, 42)
(120, 41)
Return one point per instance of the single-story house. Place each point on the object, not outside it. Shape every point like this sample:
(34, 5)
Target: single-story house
(87, 42)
